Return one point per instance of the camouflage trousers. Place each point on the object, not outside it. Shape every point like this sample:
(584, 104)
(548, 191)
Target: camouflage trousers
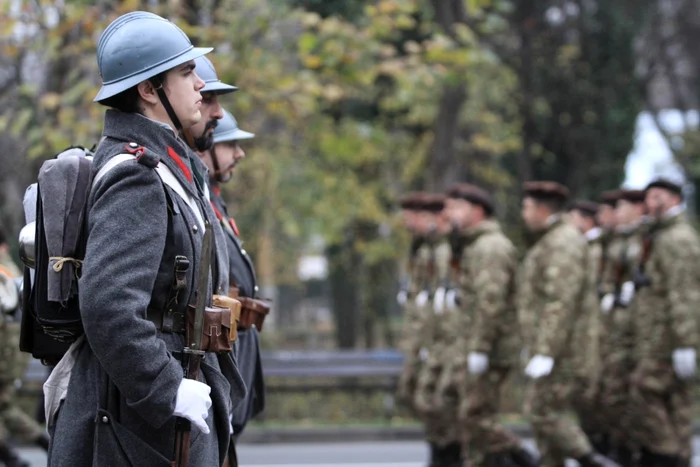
(586, 400)
(660, 409)
(558, 437)
(439, 418)
(481, 433)
(14, 420)
(615, 399)
(407, 383)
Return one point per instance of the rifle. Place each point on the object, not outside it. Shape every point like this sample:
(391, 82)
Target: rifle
(192, 353)
(640, 278)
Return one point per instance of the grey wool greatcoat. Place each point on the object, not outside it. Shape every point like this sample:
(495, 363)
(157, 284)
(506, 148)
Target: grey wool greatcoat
(120, 401)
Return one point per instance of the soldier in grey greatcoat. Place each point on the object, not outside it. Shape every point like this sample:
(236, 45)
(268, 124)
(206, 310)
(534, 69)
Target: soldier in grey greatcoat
(126, 386)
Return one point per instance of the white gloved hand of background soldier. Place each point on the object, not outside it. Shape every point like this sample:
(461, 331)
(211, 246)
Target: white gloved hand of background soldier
(684, 362)
(422, 298)
(192, 402)
(451, 300)
(423, 354)
(539, 366)
(627, 293)
(477, 362)
(607, 302)
(401, 297)
(439, 301)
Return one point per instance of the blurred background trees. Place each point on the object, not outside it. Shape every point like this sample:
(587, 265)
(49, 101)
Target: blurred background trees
(355, 102)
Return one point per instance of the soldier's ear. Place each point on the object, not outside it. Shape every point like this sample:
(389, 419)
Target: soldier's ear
(148, 92)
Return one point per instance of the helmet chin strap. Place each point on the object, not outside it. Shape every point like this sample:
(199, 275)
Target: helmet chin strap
(217, 175)
(158, 85)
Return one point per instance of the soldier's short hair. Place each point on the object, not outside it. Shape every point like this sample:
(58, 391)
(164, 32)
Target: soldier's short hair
(474, 195)
(666, 184)
(585, 207)
(553, 194)
(610, 197)
(632, 196)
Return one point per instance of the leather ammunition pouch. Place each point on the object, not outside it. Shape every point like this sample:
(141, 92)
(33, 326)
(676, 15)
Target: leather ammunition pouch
(253, 313)
(235, 306)
(216, 330)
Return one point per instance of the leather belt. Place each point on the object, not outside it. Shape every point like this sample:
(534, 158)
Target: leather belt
(167, 322)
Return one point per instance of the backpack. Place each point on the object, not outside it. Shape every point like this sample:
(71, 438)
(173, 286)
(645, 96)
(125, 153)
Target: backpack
(51, 319)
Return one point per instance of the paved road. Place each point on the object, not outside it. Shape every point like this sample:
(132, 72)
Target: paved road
(361, 454)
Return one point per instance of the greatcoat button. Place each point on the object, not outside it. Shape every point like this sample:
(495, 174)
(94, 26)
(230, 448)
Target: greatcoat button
(133, 145)
(105, 419)
(243, 252)
(195, 229)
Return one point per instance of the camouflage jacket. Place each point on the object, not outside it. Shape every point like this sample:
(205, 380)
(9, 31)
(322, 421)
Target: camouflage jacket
(485, 321)
(428, 270)
(591, 356)
(553, 285)
(667, 310)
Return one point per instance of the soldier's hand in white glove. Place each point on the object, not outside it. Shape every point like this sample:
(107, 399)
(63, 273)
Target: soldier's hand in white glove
(684, 362)
(422, 298)
(192, 402)
(607, 302)
(401, 297)
(439, 301)
(423, 354)
(540, 365)
(627, 293)
(451, 299)
(477, 362)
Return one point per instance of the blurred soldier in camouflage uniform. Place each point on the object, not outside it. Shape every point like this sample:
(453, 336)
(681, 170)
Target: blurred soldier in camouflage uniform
(667, 283)
(12, 365)
(618, 315)
(415, 277)
(434, 256)
(553, 286)
(483, 333)
(586, 395)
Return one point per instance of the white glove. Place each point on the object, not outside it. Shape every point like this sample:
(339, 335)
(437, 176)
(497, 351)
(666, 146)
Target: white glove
(477, 363)
(607, 302)
(423, 354)
(439, 301)
(540, 365)
(451, 300)
(627, 293)
(684, 362)
(193, 402)
(401, 297)
(9, 295)
(422, 298)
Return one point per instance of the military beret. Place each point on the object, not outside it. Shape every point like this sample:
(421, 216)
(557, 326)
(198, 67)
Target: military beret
(588, 208)
(666, 184)
(412, 201)
(433, 202)
(610, 197)
(546, 190)
(473, 194)
(633, 196)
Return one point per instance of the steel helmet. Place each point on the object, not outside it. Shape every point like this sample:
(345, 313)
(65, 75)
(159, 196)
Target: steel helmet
(227, 130)
(138, 46)
(212, 83)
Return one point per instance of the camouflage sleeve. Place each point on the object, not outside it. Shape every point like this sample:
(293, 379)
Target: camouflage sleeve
(413, 322)
(443, 254)
(679, 257)
(493, 266)
(562, 275)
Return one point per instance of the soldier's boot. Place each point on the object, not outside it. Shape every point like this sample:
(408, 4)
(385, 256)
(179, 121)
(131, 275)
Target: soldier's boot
(10, 458)
(43, 442)
(601, 443)
(435, 456)
(452, 455)
(624, 456)
(653, 459)
(595, 459)
(523, 457)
